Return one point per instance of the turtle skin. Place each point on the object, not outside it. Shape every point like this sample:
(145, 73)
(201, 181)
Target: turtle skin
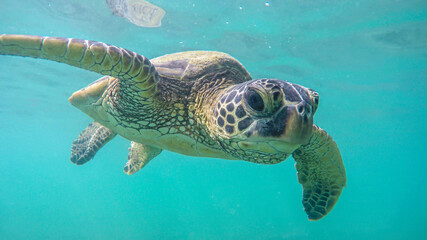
(199, 103)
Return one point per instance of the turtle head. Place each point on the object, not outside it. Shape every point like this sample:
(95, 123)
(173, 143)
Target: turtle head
(266, 115)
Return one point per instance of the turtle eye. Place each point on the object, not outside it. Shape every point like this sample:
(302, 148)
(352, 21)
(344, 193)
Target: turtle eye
(254, 100)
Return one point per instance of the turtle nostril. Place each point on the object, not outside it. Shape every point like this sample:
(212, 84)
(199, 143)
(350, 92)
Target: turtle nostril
(300, 109)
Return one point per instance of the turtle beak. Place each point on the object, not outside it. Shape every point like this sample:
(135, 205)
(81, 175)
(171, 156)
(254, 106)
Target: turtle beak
(298, 123)
(296, 128)
(292, 124)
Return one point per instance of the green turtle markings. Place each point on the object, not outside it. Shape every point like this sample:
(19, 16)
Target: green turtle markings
(198, 103)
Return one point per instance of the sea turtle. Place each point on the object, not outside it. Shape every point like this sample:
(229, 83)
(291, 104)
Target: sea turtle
(198, 103)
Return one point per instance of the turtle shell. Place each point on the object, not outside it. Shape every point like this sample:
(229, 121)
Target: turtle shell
(193, 65)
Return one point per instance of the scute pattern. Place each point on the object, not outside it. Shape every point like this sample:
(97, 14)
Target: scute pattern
(89, 141)
(234, 148)
(99, 57)
(321, 173)
(231, 112)
(197, 100)
(231, 118)
(176, 118)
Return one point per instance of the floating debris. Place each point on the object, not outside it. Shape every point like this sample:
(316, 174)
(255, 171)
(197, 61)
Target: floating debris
(138, 12)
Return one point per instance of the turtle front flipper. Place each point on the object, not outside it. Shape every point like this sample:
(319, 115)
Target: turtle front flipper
(139, 156)
(134, 70)
(321, 173)
(87, 144)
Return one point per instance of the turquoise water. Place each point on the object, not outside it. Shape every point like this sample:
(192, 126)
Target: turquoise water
(367, 59)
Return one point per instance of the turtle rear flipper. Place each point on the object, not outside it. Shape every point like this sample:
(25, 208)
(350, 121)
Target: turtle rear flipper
(139, 156)
(321, 173)
(87, 144)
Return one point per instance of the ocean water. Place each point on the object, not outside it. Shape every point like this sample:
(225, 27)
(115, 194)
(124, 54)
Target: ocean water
(367, 59)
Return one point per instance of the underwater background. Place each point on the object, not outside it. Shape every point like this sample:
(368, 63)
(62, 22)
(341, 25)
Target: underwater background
(367, 59)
